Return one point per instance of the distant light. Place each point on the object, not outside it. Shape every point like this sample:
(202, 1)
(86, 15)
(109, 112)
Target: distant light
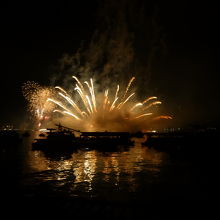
(43, 130)
(154, 131)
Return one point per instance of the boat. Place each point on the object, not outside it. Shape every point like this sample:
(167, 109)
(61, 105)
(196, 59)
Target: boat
(54, 139)
(64, 138)
(105, 139)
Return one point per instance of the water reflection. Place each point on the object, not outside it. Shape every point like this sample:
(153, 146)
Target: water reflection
(91, 171)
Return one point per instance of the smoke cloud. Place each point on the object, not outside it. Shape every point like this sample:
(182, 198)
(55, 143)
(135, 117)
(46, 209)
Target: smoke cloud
(125, 43)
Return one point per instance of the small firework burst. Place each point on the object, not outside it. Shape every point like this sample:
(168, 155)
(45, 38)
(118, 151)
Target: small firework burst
(37, 96)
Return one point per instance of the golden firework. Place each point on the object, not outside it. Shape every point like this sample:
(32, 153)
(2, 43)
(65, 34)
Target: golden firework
(91, 111)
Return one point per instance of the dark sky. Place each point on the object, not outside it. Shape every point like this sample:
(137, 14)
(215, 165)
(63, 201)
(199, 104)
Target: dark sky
(35, 36)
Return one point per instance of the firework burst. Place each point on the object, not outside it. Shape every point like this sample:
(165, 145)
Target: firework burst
(37, 100)
(111, 110)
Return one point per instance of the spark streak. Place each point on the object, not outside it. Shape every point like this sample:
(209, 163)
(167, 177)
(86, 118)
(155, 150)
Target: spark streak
(143, 115)
(61, 89)
(122, 103)
(135, 106)
(129, 84)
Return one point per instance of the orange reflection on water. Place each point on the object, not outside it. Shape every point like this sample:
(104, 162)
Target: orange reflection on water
(86, 166)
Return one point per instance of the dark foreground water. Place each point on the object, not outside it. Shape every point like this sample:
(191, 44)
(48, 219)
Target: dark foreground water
(130, 182)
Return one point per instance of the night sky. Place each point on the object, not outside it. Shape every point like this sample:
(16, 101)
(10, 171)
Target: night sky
(185, 71)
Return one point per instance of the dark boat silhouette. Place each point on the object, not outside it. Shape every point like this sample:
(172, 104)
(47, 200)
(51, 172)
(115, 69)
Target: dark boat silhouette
(54, 139)
(182, 142)
(64, 138)
(105, 139)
